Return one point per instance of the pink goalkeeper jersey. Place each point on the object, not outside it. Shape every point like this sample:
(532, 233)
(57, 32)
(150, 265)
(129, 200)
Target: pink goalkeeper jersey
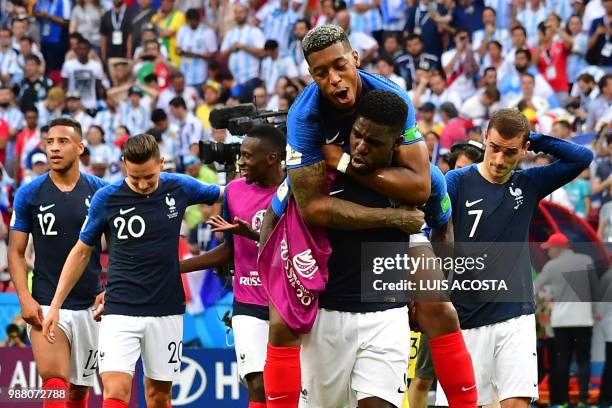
(248, 202)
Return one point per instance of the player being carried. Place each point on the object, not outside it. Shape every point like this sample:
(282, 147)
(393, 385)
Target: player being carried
(53, 208)
(144, 302)
(324, 114)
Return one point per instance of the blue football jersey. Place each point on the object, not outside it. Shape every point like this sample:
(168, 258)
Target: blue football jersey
(493, 214)
(312, 121)
(143, 236)
(55, 219)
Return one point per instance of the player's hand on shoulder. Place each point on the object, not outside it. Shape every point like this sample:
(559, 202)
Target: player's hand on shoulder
(31, 311)
(50, 324)
(98, 306)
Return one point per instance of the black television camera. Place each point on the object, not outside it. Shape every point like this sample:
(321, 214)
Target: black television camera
(239, 120)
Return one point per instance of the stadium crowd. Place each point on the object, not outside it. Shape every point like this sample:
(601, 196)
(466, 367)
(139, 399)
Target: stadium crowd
(121, 68)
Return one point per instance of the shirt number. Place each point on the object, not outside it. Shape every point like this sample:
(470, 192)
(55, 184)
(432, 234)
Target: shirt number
(46, 222)
(478, 214)
(135, 231)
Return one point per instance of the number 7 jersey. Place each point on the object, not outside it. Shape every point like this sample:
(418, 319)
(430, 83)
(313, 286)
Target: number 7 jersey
(55, 219)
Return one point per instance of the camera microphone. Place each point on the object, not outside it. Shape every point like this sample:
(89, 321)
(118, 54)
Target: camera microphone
(220, 117)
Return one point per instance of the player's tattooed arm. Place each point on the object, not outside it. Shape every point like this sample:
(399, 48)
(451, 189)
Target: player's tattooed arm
(319, 209)
(409, 182)
(270, 220)
(216, 257)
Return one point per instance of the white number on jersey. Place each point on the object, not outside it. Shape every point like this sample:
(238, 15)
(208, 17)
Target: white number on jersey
(120, 224)
(478, 214)
(46, 222)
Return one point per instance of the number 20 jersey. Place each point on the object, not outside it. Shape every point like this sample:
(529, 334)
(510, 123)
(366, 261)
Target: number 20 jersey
(55, 219)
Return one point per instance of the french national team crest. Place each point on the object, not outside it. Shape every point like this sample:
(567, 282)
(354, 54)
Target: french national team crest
(171, 203)
(517, 193)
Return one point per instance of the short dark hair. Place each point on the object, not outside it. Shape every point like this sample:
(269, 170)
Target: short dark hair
(487, 69)
(519, 27)
(413, 36)
(527, 74)
(158, 115)
(271, 45)
(523, 51)
(542, 27)
(490, 9)
(496, 43)
(99, 129)
(34, 58)
(30, 108)
(178, 102)
(492, 93)
(302, 20)
(384, 108)
(471, 152)
(271, 135)
(68, 122)
(604, 81)
(83, 41)
(322, 37)
(510, 123)
(449, 109)
(140, 149)
(192, 14)
(586, 77)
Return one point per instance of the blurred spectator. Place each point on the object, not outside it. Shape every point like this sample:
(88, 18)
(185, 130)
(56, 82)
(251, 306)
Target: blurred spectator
(569, 275)
(278, 25)
(243, 45)
(10, 71)
(177, 88)
(98, 166)
(115, 32)
(579, 193)
(140, 20)
(464, 154)
(576, 61)
(300, 28)
(599, 106)
(534, 14)
(74, 109)
(426, 121)
(519, 42)
(494, 58)
(86, 19)
(562, 129)
(83, 75)
(325, 14)
(384, 66)
(51, 107)
(600, 38)
(211, 100)
(425, 20)
(551, 58)
(195, 44)
(511, 83)
(260, 96)
(437, 93)
(488, 78)
(13, 337)
(135, 115)
(454, 127)
(53, 16)
(108, 119)
(528, 96)
(365, 45)
(27, 140)
(169, 21)
(10, 112)
(273, 66)
(469, 15)
(432, 141)
(39, 166)
(415, 58)
(460, 65)
(190, 128)
(481, 38)
(481, 106)
(34, 87)
(97, 145)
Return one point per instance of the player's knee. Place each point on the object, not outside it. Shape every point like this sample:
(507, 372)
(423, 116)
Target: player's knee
(77, 392)
(53, 372)
(117, 388)
(255, 383)
(157, 398)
